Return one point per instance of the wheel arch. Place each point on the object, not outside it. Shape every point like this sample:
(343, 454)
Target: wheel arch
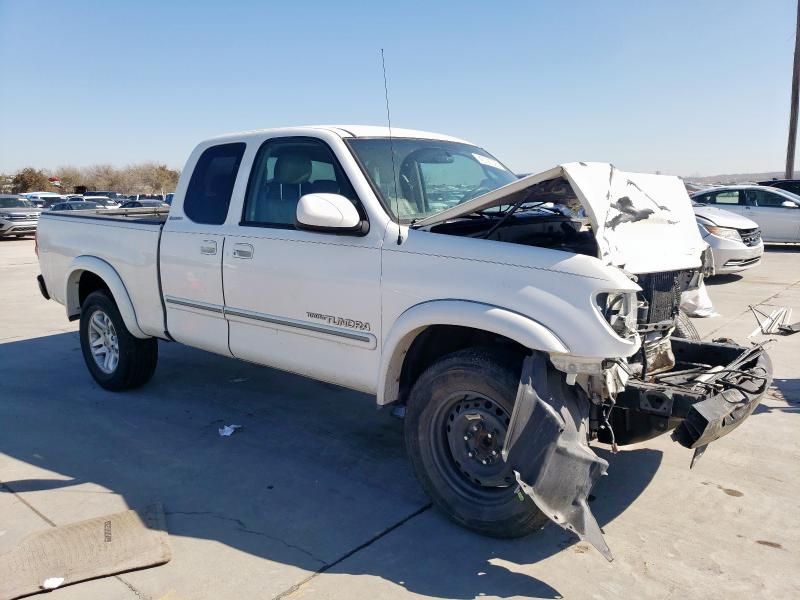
(87, 274)
(415, 339)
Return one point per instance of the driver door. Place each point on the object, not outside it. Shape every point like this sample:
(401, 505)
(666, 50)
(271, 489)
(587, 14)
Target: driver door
(299, 300)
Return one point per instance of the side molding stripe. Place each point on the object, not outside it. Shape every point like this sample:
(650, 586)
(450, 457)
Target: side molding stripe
(255, 316)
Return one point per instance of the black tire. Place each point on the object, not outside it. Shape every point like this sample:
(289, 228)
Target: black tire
(684, 328)
(137, 357)
(492, 381)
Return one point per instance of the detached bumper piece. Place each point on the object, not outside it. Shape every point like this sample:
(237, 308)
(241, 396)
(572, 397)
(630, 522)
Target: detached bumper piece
(551, 459)
(712, 389)
(737, 389)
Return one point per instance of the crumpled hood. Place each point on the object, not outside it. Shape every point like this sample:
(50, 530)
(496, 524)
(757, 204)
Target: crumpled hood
(643, 223)
(724, 218)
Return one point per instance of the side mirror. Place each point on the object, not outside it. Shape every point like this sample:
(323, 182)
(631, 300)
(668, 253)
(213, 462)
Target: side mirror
(329, 212)
(788, 204)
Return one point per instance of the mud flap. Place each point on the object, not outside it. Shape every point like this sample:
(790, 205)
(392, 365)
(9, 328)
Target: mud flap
(547, 448)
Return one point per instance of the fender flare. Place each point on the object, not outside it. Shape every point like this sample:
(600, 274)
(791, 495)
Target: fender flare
(111, 278)
(465, 313)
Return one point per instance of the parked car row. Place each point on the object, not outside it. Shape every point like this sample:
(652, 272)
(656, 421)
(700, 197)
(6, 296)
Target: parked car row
(19, 214)
(102, 197)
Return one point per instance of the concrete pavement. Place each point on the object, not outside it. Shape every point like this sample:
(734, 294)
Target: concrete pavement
(314, 498)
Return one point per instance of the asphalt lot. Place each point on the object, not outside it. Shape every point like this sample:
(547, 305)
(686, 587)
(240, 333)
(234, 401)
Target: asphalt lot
(314, 498)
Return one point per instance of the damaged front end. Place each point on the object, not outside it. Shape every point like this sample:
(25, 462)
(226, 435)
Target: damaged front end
(700, 390)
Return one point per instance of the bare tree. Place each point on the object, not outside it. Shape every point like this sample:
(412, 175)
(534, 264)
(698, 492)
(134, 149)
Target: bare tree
(143, 178)
(30, 180)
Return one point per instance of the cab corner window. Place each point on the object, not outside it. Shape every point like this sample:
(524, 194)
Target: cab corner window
(283, 171)
(209, 193)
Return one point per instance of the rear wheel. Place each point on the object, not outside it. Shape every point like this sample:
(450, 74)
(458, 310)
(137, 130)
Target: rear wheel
(456, 422)
(116, 359)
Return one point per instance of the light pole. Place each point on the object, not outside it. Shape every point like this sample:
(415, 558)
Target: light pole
(795, 100)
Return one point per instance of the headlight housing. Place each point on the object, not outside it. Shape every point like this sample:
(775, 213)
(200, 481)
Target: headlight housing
(727, 233)
(619, 309)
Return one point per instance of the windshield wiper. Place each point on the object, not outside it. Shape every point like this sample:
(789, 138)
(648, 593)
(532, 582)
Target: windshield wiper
(507, 215)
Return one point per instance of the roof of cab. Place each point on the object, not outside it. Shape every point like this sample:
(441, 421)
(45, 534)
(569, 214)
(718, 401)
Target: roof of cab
(343, 131)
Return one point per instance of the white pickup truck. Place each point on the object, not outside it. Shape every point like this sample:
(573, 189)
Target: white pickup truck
(512, 320)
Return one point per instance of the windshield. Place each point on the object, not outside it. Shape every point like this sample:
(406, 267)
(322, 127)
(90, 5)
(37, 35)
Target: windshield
(14, 203)
(432, 175)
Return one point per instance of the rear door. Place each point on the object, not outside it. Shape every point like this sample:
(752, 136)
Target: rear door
(778, 223)
(191, 251)
(299, 300)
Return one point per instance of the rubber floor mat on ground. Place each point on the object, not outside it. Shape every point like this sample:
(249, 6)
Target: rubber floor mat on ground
(85, 550)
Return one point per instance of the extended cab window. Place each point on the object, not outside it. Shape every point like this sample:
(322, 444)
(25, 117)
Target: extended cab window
(283, 171)
(209, 193)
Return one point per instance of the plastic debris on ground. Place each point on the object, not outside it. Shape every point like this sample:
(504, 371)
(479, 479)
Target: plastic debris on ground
(228, 430)
(52, 583)
(697, 302)
(777, 321)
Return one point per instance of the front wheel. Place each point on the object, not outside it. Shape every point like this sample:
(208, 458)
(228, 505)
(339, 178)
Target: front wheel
(684, 328)
(116, 359)
(456, 423)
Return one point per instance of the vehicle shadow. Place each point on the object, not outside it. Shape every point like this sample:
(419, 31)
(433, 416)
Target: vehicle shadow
(722, 279)
(791, 248)
(314, 474)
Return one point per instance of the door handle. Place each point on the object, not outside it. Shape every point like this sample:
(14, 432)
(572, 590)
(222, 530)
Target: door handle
(242, 251)
(208, 247)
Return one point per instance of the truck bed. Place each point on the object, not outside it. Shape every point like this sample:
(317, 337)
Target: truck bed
(126, 239)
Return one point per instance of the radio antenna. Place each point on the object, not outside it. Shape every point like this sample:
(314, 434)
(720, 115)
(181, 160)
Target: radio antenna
(391, 149)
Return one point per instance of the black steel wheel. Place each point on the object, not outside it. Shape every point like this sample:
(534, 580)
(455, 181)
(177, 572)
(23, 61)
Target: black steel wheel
(456, 423)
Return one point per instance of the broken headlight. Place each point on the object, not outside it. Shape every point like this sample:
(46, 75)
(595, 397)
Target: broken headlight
(619, 311)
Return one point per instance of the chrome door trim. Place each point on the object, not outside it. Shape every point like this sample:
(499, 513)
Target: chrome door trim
(366, 338)
(226, 312)
(215, 308)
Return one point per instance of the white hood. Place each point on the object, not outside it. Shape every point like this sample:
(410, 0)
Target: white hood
(643, 223)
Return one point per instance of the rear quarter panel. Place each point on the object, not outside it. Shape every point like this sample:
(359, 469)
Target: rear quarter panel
(130, 248)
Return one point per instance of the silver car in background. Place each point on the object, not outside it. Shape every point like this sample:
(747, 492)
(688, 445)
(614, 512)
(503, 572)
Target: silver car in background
(776, 211)
(735, 240)
(18, 216)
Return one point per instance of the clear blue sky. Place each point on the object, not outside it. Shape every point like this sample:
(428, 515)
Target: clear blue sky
(682, 87)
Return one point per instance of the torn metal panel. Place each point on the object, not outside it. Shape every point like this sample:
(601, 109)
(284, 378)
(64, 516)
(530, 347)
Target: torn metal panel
(631, 211)
(628, 212)
(547, 447)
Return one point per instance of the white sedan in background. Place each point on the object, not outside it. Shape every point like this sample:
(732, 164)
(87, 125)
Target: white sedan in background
(776, 211)
(735, 240)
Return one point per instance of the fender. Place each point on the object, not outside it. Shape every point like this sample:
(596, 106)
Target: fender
(114, 282)
(465, 313)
